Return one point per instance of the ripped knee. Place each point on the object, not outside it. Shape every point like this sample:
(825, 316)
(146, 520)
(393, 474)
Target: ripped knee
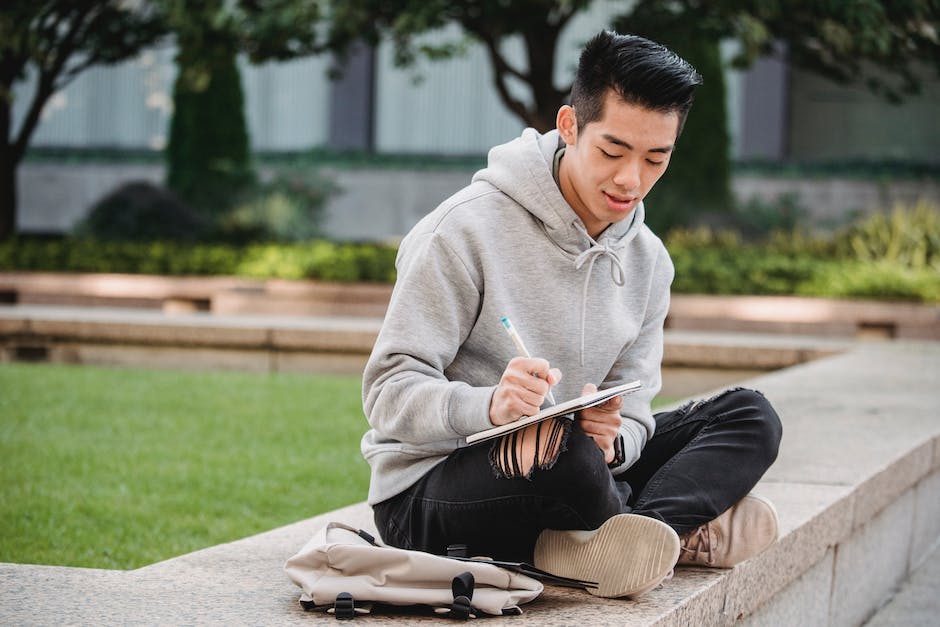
(537, 446)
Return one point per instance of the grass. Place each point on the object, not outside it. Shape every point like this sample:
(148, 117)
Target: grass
(111, 468)
(119, 468)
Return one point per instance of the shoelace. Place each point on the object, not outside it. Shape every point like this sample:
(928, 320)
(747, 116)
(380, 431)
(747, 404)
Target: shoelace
(703, 544)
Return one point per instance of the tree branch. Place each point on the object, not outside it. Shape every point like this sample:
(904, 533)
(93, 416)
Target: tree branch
(500, 69)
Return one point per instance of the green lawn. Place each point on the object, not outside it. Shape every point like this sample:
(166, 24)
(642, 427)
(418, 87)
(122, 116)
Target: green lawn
(118, 468)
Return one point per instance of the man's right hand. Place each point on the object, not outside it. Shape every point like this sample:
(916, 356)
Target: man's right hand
(522, 389)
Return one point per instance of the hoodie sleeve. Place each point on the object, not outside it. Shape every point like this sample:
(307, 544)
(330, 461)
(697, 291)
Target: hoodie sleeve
(406, 395)
(642, 361)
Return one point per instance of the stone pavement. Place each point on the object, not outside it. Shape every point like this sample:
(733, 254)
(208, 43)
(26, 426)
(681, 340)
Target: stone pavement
(857, 486)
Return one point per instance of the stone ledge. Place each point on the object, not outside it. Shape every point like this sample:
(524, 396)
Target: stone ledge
(856, 485)
(804, 315)
(131, 336)
(240, 296)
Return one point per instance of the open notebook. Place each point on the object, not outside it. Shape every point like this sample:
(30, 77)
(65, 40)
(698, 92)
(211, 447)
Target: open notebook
(568, 407)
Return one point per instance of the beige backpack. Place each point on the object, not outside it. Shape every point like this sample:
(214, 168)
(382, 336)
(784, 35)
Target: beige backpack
(345, 571)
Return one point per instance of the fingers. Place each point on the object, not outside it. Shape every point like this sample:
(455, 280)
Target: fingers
(602, 422)
(612, 404)
(530, 372)
(522, 389)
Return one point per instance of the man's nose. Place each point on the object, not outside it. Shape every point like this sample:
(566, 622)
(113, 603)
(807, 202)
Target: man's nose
(627, 176)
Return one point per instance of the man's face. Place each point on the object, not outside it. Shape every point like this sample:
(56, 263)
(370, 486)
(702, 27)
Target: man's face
(612, 163)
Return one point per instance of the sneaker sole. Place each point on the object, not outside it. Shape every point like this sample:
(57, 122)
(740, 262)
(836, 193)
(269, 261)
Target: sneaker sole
(627, 556)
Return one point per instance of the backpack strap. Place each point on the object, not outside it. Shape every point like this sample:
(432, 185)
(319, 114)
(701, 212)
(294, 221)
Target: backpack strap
(368, 537)
(462, 587)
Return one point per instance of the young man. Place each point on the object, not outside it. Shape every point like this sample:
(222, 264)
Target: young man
(551, 235)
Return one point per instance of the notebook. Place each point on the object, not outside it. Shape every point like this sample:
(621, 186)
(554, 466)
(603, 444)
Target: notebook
(568, 407)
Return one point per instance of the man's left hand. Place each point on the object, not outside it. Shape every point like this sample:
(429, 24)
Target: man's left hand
(602, 422)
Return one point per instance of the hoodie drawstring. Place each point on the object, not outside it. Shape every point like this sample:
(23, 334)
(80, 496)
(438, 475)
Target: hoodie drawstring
(616, 272)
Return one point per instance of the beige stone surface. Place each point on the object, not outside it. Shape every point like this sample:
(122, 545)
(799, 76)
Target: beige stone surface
(917, 604)
(846, 417)
(813, 519)
(804, 602)
(926, 534)
(326, 363)
(872, 563)
(793, 314)
(164, 357)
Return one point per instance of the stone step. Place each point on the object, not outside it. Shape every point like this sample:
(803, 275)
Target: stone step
(120, 336)
(242, 296)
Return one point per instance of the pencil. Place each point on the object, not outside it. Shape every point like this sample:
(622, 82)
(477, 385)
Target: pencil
(520, 346)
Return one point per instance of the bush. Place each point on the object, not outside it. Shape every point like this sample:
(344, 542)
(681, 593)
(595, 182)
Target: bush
(208, 160)
(894, 256)
(878, 280)
(322, 260)
(141, 211)
(908, 236)
(287, 209)
(864, 261)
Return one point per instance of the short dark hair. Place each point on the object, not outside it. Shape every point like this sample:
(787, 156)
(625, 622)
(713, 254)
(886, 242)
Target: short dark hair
(640, 71)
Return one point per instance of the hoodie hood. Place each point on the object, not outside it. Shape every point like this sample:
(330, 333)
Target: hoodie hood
(523, 170)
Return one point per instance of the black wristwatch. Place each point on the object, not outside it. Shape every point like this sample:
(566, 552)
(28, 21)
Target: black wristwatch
(619, 456)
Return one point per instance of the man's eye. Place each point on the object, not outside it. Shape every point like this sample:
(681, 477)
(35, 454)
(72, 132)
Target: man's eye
(607, 154)
(651, 162)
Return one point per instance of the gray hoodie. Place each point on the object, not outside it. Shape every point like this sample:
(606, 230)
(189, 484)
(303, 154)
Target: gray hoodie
(509, 245)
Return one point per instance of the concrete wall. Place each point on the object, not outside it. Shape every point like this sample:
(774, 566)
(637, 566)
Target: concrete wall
(378, 204)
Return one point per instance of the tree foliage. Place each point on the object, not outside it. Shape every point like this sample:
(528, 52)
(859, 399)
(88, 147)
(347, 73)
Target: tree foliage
(876, 42)
(208, 160)
(842, 40)
(538, 23)
(56, 41)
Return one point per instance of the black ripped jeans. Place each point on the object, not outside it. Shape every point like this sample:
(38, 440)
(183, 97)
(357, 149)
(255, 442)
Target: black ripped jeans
(703, 458)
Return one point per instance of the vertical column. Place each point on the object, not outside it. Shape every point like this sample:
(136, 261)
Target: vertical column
(765, 93)
(352, 102)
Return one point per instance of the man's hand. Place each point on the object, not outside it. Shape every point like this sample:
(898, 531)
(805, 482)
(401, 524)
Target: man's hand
(602, 422)
(522, 389)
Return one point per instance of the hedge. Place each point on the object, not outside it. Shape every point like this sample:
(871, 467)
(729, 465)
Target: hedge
(322, 260)
(894, 256)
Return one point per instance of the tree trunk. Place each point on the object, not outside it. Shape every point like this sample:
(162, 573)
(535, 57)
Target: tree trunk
(540, 49)
(7, 174)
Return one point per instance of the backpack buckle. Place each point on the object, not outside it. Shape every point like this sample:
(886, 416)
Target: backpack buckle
(344, 608)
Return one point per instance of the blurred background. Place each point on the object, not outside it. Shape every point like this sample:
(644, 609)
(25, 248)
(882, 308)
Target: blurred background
(262, 158)
(350, 120)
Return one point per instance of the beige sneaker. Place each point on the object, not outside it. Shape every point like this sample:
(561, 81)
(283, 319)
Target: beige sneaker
(746, 529)
(627, 556)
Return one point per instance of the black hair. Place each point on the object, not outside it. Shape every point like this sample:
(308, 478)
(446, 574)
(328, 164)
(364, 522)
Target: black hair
(640, 71)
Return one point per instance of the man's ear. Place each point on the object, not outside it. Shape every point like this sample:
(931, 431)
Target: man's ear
(567, 123)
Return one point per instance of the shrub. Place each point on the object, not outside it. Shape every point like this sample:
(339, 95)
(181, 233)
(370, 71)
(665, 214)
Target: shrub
(141, 211)
(208, 160)
(893, 257)
(320, 259)
(880, 280)
(757, 218)
(289, 208)
(908, 236)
